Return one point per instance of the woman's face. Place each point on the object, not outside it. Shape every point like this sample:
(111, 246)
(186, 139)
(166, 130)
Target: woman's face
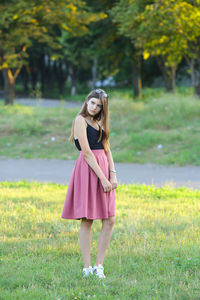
(94, 106)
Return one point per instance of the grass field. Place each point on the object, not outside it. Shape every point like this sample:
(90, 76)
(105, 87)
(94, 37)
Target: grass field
(154, 251)
(161, 130)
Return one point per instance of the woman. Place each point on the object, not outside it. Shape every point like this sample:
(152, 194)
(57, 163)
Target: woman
(91, 193)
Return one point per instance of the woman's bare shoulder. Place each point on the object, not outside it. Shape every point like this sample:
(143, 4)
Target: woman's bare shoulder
(79, 120)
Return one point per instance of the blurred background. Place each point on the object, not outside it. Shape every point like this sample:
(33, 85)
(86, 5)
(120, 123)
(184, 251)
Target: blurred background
(145, 54)
(61, 49)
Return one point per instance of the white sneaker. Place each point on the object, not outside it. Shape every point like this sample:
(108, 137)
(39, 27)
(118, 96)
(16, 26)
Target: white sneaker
(98, 271)
(87, 271)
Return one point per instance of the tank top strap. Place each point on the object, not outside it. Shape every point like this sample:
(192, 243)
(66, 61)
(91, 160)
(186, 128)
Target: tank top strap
(91, 125)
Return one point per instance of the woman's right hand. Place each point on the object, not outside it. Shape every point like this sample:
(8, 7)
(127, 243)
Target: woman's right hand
(107, 186)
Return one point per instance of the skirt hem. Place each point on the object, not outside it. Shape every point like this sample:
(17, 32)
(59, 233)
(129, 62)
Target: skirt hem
(87, 218)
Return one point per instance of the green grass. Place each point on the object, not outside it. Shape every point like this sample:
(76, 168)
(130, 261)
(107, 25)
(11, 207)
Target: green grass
(137, 130)
(154, 251)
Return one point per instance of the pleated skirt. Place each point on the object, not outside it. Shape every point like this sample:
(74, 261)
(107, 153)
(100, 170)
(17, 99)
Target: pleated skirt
(85, 196)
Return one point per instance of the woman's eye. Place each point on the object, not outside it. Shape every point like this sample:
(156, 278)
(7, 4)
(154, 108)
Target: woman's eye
(100, 106)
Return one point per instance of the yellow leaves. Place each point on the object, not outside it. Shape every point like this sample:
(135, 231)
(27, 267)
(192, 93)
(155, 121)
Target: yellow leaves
(40, 7)
(95, 17)
(158, 52)
(65, 27)
(34, 21)
(72, 7)
(15, 17)
(26, 12)
(146, 54)
(140, 18)
(44, 29)
(102, 15)
(53, 57)
(163, 39)
(4, 65)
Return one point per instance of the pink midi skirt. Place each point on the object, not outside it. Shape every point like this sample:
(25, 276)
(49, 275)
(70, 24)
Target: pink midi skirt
(85, 195)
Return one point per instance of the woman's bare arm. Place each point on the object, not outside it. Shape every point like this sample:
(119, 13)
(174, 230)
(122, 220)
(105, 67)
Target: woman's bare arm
(113, 177)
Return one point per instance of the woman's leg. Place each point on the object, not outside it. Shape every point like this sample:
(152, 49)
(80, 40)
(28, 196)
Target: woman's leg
(104, 238)
(85, 241)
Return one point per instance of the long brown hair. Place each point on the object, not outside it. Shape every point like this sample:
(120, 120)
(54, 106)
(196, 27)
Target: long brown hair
(102, 116)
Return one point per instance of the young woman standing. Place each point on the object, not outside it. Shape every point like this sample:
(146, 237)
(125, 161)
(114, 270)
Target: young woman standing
(91, 190)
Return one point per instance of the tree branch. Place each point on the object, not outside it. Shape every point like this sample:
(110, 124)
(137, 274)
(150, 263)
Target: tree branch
(20, 67)
(17, 72)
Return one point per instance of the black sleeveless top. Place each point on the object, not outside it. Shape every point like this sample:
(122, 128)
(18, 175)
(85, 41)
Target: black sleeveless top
(93, 136)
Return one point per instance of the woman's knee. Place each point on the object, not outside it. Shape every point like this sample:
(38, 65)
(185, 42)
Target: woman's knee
(110, 221)
(86, 222)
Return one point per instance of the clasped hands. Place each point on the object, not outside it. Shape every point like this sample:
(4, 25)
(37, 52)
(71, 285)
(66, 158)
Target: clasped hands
(111, 184)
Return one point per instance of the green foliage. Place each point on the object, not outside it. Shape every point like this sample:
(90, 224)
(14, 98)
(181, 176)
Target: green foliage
(154, 250)
(36, 93)
(151, 27)
(51, 23)
(166, 29)
(23, 22)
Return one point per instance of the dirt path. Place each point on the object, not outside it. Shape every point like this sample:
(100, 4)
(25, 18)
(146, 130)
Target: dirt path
(59, 171)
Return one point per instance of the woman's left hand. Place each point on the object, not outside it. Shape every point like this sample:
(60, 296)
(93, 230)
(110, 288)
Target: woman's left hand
(113, 180)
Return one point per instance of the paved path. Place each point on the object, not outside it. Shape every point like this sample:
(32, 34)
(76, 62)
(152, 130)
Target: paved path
(59, 171)
(47, 103)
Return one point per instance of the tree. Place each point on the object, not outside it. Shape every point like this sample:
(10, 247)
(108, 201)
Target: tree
(75, 54)
(171, 31)
(166, 29)
(158, 37)
(124, 14)
(109, 50)
(23, 22)
(187, 14)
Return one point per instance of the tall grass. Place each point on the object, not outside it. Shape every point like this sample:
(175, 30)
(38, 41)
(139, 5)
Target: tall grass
(161, 130)
(154, 251)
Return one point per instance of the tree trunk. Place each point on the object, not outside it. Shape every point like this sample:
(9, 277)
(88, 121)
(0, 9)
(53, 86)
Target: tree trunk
(33, 79)
(74, 81)
(94, 73)
(173, 72)
(168, 83)
(25, 78)
(42, 72)
(9, 86)
(49, 79)
(33, 64)
(61, 76)
(137, 81)
(170, 79)
(195, 73)
(169, 74)
(191, 64)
